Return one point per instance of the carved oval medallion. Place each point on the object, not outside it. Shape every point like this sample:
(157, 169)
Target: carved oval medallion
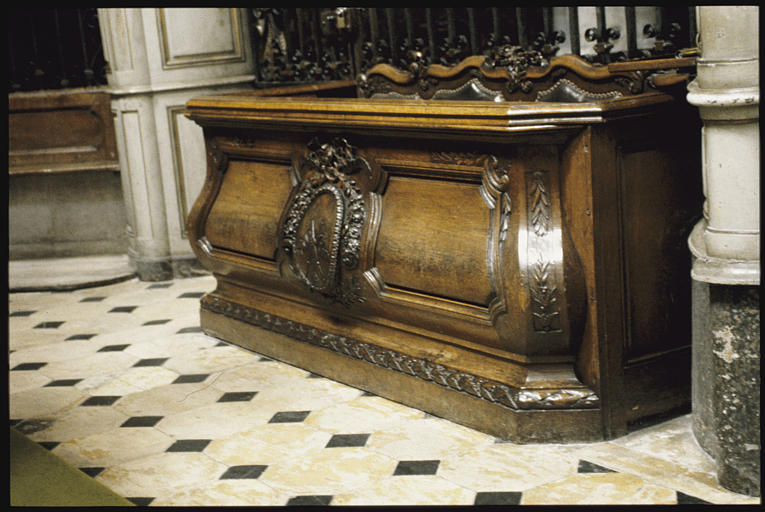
(315, 252)
(321, 234)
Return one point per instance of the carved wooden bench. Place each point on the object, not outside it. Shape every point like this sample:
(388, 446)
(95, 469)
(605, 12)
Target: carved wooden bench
(516, 264)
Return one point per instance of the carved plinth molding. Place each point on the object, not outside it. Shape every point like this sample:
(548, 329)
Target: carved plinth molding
(455, 380)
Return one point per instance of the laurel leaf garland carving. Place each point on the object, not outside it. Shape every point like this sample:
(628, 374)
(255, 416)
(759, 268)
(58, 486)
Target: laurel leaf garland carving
(479, 387)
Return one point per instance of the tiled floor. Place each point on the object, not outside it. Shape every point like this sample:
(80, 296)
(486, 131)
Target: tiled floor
(119, 381)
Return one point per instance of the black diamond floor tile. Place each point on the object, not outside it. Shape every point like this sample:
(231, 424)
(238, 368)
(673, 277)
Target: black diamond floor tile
(141, 421)
(157, 322)
(48, 325)
(347, 440)
(238, 396)
(224, 344)
(190, 378)
(187, 330)
(92, 299)
(80, 337)
(100, 400)
(23, 367)
(93, 472)
(123, 309)
(48, 445)
(289, 417)
(241, 472)
(297, 501)
(62, 383)
(113, 348)
(21, 313)
(498, 498)
(140, 502)
(417, 467)
(589, 467)
(367, 393)
(157, 361)
(159, 285)
(686, 499)
(314, 376)
(189, 445)
(191, 295)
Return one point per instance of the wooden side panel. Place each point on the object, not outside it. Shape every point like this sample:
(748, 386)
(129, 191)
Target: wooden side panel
(433, 239)
(61, 132)
(245, 215)
(660, 203)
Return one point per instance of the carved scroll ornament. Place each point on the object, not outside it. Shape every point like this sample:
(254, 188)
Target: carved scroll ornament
(321, 233)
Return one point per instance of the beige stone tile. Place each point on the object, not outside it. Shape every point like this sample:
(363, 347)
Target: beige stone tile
(148, 377)
(329, 471)
(113, 447)
(112, 387)
(673, 441)
(214, 421)
(167, 400)
(305, 395)
(161, 474)
(126, 382)
(80, 422)
(407, 490)
(258, 376)
(19, 339)
(99, 363)
(42, 401)
(362, 415)
(659, 471)
(507, 467)
(150, 344)
(210, 360)
(268, 444)
(599, 489)
(98, 321)
(53, 351)
(224, 493)
(24, 381)
(429, 438)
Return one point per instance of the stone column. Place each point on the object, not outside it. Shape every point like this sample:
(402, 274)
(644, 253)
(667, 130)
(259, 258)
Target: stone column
(725, 246)
(159, 59)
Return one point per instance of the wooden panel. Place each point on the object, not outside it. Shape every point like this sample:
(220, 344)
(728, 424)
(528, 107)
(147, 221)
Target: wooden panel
(433, 239)
(60, 131)
(246, 215)
(658, 214)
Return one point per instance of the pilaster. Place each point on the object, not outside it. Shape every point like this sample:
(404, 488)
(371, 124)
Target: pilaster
(158, 59)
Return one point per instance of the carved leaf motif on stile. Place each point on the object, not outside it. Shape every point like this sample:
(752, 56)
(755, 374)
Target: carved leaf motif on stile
(544, 295)
(540, 206)
(543, 289)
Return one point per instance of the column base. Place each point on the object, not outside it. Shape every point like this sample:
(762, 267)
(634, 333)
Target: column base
(709, 269)
(165, 269)
(726, 382)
